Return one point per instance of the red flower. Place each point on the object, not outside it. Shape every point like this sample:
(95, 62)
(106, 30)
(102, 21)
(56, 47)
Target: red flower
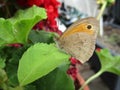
(74, 61)
(51, 7)
(98, 49)
(35, 2)
(40, 25)
(54, 2)
(15, 45)
(73, 72)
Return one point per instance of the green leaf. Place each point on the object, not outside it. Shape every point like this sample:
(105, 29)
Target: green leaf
(111, 1)
(3, 76)
(56, 80)
(17, 28)
(30, 87)
(41, 36)
(16, 88)
(14, 55)
(108, 62)
(2, 63)
(6, 32)
(11, 70)
(38, 61)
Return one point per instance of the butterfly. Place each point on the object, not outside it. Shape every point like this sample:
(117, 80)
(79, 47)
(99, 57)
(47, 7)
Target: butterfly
(80, 38)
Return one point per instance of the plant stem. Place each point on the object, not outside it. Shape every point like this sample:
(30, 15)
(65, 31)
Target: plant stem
(7, 11)
(91, 78)
(102, 10)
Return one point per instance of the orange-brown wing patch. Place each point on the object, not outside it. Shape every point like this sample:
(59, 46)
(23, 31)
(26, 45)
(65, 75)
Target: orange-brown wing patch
(78, 29)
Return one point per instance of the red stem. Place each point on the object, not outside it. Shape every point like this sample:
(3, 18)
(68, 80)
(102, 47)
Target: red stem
(81, 81)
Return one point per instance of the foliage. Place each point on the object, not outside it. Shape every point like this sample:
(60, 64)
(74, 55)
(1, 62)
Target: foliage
(30, 60)
(51, 7)
(104, 4)
(108, 1)
(17, 28)
(109, 63)
(36, 60)
(56, 79)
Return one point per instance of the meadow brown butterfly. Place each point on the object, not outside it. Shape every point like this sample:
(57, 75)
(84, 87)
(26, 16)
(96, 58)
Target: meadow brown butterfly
(79, 39)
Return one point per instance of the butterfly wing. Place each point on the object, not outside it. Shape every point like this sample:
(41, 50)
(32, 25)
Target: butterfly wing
(78, 40)
(79, 45)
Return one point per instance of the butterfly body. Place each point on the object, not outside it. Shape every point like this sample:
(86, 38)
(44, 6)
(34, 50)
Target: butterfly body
(79, 39)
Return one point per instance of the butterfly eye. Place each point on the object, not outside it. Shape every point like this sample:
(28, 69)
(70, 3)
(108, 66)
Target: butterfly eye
(89, 26)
